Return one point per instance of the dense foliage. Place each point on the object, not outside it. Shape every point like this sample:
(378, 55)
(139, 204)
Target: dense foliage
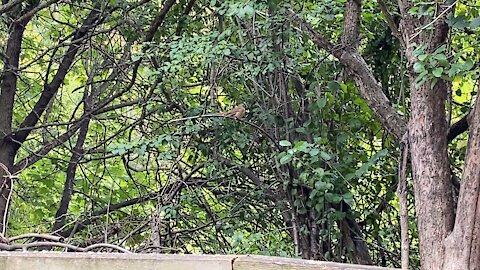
(119, 138)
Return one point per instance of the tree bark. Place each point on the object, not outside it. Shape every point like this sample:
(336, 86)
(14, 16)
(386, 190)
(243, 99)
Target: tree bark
(463, 244)
(8, 88)
(433, 188)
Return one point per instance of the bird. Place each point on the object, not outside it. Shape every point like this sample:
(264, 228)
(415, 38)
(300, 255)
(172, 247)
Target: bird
(236, 112)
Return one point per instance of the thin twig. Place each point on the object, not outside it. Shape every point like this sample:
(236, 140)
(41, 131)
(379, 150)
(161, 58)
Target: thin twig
(214, 115)
(433, 21)
(10, 176)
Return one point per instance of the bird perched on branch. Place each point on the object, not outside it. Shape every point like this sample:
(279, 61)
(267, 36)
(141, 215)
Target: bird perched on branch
(237, 112)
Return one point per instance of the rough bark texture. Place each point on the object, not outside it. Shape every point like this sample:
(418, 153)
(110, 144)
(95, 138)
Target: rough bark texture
(462, 245)
(431, 174)
(428, 136)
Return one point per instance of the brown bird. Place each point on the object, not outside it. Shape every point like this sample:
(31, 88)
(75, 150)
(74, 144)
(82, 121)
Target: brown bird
(237, 112)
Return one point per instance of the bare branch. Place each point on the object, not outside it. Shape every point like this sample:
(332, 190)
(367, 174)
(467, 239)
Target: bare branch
(373, 94)
(34, 157)
(248, 173)
(458, 128)
(9, 5)
(14, 247)
(32, 12)
(440, 24)
(402, 195)
(35, 235)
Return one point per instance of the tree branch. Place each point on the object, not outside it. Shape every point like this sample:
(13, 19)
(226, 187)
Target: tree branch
(373, 94)
(158, 20)
(50, 89)
(34, 157)
(14, 247)
(351, 26)
(248, 173)
(77, 154)
(458, 128)
(8, 78)
(114, 207)
(390, 22)
(318, 39)
(27, 16)
(185, 13)
(368, 86)
(9, 5)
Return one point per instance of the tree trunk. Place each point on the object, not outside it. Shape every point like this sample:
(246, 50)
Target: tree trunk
(432, 185)
(7, 155)
(462, 246)
(8, 87)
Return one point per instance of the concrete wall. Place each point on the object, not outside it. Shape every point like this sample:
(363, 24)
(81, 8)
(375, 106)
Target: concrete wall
(117, 261)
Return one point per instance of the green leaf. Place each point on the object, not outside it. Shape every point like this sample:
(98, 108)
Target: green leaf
(475, 23)
(437, 72)
(319, 172)
(302, 146)
(321, 103)
(440, 49)
(459, 22)
(285, 159)
(440, 57)
(325, 155)
(285, 143)
(421, 78)
(419, 67)
(348, 198)
(422, 57)
(333, 198)
(433, 83)
(320, 186)
(248, 10)
(319, 206)
(136, 57)
(334, 86)
(314, 151)
(468, 65)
